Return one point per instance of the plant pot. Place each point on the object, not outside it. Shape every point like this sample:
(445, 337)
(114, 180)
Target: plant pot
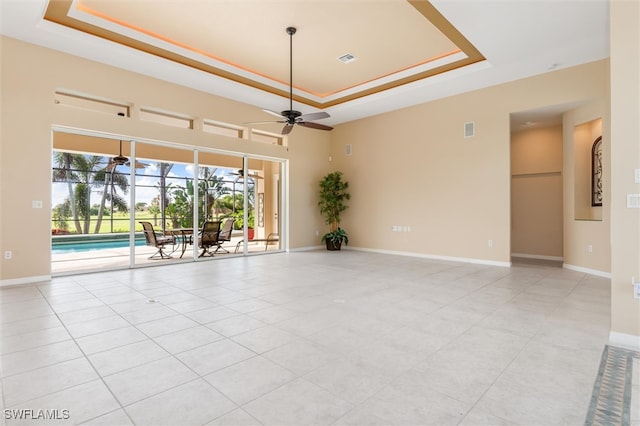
(333, 246)
(250, 234)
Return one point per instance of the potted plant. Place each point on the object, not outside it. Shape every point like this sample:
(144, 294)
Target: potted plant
(333, 196)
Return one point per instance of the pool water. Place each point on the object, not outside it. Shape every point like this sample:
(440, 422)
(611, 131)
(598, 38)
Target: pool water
(76, 247)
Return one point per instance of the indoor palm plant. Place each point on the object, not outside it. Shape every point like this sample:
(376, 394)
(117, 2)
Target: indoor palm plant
(333, 196)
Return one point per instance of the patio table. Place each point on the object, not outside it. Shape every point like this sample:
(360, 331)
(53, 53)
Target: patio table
(185, 235)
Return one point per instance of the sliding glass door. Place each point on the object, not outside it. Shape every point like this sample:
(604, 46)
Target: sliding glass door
(101, 221)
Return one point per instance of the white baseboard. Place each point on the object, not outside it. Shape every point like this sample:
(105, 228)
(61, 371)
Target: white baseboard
(308, 248)
(595, 272)
(436, 257)
(627, 341)
(25, 280)
(537, 256)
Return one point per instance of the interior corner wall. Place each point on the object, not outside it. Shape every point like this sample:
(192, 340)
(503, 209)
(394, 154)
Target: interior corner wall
(536, 193)
(448, 195)
(30, 75)
(625, 159)
(587, 244)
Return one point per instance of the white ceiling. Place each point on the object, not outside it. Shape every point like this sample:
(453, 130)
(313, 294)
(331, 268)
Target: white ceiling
(518, 38)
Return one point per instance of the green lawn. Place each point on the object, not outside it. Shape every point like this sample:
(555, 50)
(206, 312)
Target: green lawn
(121, 223)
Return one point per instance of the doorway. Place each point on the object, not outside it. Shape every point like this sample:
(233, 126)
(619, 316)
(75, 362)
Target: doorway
(537, 187)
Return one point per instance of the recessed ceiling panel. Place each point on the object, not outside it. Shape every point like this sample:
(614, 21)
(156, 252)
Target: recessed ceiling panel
(394, 41)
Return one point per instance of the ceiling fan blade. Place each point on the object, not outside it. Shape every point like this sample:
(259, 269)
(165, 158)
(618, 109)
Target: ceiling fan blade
(263, 122)
(314, 116)
(139, 165)
(287, 129)
(277, 114)
(313, 125)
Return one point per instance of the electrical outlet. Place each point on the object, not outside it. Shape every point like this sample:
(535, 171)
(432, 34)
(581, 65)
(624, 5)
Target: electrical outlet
(8, 255)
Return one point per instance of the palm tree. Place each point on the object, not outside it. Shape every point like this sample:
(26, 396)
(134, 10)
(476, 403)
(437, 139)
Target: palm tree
(86, 169)
(65, 173)
(164, 169)
(82, 173)
(154, 209)
(109, 179)
(211, 187)
(182, 206)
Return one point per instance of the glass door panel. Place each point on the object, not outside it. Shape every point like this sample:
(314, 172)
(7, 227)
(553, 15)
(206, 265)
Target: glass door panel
(165, 202)
(268, 205)
(90, 203)
(220, 205)
(264, 202)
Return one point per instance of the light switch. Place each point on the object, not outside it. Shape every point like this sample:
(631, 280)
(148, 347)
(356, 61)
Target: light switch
(636, 175)
(36, 204)
(633, 201)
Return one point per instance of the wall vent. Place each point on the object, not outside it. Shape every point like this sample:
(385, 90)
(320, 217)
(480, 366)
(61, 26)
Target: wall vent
(347, 149)
(469, 129)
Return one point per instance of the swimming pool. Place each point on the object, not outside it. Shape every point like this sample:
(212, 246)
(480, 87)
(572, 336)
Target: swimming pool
(85, 246)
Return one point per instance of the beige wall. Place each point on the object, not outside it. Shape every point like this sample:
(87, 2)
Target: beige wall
(31, 75)
(414, 167)
(625, 157)
(409, 168)
(536, 193)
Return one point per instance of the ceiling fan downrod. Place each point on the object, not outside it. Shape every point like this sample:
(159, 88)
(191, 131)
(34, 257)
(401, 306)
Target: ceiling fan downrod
(291, 31)
(292, 117)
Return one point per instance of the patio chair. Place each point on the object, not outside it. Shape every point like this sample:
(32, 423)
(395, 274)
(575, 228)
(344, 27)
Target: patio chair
(157, 240)
(209, 237)
(273, 237)
(225, 235)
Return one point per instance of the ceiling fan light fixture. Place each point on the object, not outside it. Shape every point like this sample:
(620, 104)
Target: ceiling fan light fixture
(120, 160)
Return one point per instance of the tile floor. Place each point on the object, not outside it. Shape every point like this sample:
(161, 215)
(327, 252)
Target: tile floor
(320, 338)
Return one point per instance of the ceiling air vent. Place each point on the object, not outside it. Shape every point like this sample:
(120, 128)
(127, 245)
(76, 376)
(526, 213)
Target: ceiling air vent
(346, 58)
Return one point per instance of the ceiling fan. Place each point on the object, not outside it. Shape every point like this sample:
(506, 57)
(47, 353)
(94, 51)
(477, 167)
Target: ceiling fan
(292, 117)
(240, 175)
(121, 160)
